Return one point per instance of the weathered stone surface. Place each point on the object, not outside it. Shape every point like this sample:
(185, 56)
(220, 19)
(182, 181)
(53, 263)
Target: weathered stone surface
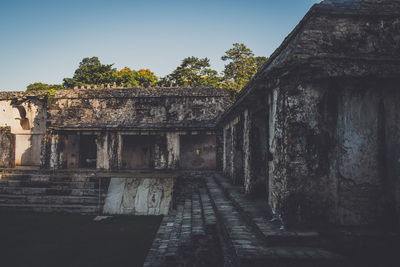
(7, 148)
(137, 107)
(139, 196)
(27, 122)
(50, 128)
(328, 94)
(114, 196)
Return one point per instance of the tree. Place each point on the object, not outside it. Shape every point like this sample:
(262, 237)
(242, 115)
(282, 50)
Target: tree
(241, 67)
(146, 78)
(127, 76)
(193, 72)
(91, 71)
(43, 86)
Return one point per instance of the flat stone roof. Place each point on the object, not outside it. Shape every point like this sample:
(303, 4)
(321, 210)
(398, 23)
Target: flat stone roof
(120, 93)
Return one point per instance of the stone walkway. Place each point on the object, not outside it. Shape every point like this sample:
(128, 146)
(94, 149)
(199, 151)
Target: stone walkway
(187, 235)
(214, 224)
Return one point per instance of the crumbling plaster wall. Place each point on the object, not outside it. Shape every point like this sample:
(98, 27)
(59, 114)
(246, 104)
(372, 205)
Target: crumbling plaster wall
(27, 120)
(165, 113)
(140, 196)
(155, 108)
(334, 164)
(333, 124)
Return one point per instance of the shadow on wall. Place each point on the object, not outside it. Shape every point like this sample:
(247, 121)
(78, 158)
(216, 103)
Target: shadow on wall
(23, 120)
(30, 155)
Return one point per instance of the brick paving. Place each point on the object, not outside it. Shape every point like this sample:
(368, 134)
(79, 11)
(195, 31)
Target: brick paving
(235, 231)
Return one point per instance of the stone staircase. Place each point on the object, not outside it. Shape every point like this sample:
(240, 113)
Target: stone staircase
(214, 224)
(46, 191)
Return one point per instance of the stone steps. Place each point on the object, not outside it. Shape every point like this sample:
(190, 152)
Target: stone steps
(45, 184)
(82, 209)
(58, 200)
(248, 248)
(49, 191)
(48, 177)
(52, 192)
(257, 215)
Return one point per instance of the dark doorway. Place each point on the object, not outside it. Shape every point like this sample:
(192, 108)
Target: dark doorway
(87, 151)
(137, 152)
(259, 153)
(198, 152)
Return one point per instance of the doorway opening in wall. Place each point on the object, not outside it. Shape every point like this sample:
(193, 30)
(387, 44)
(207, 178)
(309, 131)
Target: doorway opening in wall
(137, 152)
(88, 151)
(260, 144)
(198, 152)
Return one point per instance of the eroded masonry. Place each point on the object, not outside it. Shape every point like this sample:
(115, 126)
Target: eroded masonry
(135, 129)
(312, 143)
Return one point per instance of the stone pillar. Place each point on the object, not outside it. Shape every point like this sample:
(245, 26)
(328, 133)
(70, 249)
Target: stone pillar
(231, 163)
(219, 149)
(114, 150)
(246, 150)
(54, 151)
(103, 159)
(173, 148)
(7, 148)
(224, 153)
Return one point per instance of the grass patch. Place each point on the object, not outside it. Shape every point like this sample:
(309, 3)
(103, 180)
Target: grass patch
(35, 239)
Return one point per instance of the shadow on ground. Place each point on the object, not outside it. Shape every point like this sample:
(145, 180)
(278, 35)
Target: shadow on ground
(33, 239)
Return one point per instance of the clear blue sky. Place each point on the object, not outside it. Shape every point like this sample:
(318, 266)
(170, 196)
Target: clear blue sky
(45, 40)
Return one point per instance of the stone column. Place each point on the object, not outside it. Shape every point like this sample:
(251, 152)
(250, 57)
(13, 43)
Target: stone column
(224, 157)
(54, 151)
(7, 148)
(103, 160)
(246, 150)
(114, 149)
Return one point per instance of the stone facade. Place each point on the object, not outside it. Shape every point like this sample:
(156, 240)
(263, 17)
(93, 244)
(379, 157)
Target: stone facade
(110, 128)
(317, 127)
(26, 118)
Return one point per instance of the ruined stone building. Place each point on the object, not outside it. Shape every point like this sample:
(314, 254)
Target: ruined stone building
(114, 129)
(311, 143)
(317, 129)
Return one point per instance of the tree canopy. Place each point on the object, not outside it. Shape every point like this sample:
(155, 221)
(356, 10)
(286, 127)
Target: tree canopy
(146, 78)
(91, 71)
(192, 72)
(43, 86)
(241, 67)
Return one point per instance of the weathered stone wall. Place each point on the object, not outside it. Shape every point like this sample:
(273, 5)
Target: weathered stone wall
(137, 107)
(149, 195)
(332, 163)
(198, 151)
(27, 121)
(333, 126)
(7, 148)
(110, 115)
